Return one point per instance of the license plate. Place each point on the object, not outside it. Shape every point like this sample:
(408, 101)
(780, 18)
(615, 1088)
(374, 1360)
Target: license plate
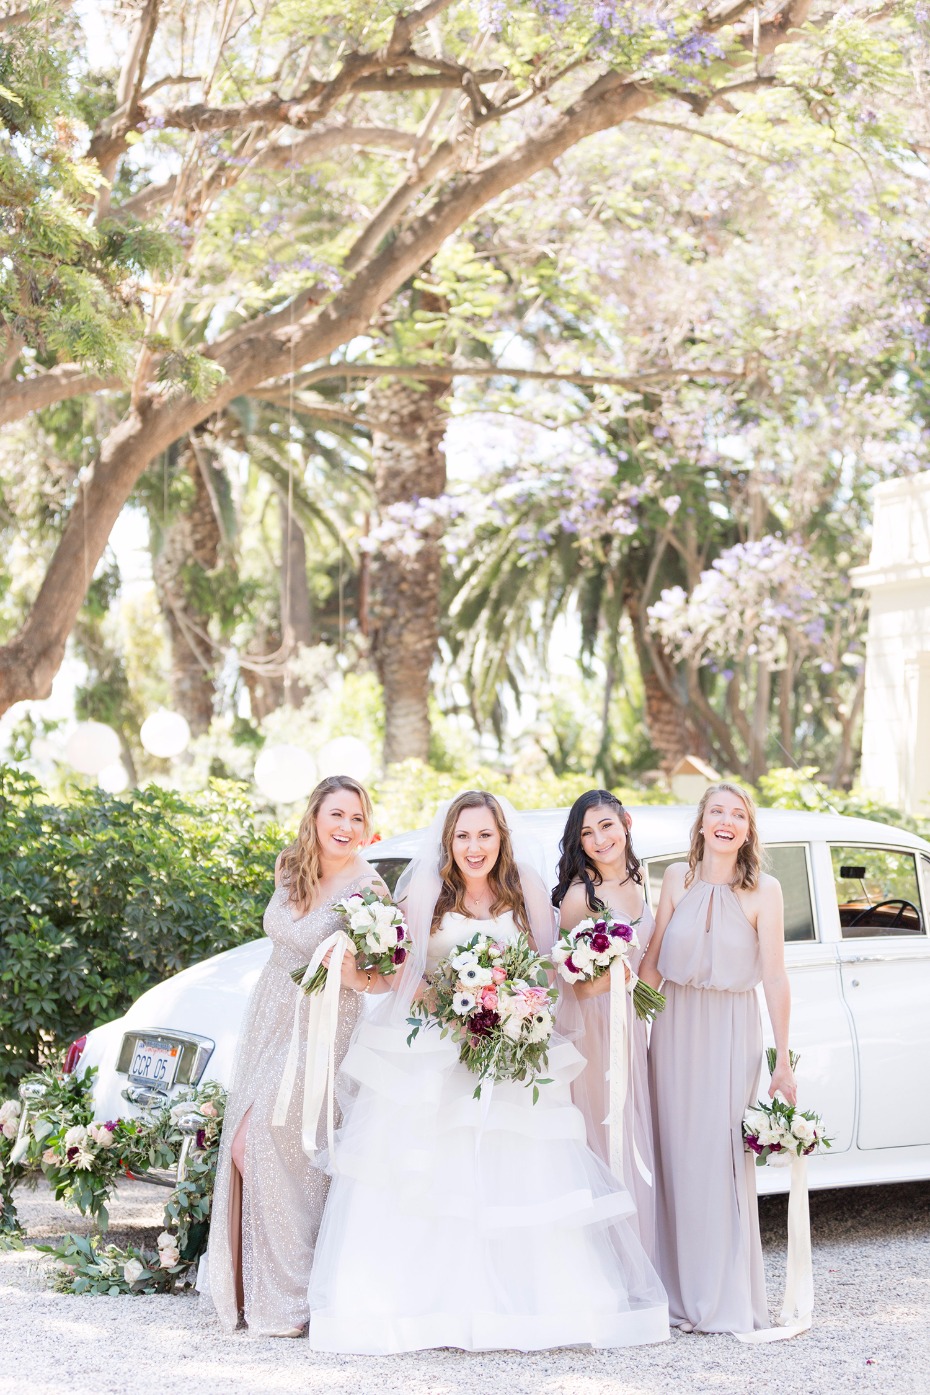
(154, 1063)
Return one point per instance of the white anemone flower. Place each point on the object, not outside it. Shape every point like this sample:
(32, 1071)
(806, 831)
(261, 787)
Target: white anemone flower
(463, 1003)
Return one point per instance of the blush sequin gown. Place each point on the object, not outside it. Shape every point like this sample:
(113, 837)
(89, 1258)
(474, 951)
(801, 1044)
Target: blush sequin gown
(281, 1199)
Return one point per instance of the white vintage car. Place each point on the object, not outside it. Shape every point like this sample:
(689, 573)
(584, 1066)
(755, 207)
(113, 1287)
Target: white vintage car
(857, 899)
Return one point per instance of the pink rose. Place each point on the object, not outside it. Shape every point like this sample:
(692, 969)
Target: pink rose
(498, 976)
(488, 998)
(50, 1157)
(209, 1110)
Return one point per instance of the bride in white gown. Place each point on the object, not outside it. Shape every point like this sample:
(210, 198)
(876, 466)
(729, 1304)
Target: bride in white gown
(459, 1222)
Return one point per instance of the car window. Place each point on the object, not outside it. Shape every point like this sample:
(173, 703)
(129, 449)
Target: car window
(788, 862)
(655, 871)
(877, 892)
(389, 868)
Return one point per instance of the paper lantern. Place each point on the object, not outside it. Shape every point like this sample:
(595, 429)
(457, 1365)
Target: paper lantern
(113, 778)
(345, 755)
(91, 746)
(285, 773)
(165, 734)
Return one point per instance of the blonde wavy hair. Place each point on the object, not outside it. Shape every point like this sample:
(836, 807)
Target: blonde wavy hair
(503, 878)
(749, 857)
(300, 861)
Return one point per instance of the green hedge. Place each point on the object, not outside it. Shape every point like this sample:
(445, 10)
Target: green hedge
(102, 897)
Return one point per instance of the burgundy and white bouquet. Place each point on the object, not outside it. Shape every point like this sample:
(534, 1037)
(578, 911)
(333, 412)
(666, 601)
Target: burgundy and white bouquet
(496, 1001)
(377, 930)
(590, 947)
(778, 1132)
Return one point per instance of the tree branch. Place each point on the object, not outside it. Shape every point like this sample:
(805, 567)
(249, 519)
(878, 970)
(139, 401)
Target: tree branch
(441, 372)
(24, 395)
(275, 157)
(29, 663)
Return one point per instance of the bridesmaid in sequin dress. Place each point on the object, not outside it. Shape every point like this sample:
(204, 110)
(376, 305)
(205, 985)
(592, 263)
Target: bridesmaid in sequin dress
(598, 865)
(269, 1200)
(719, 933)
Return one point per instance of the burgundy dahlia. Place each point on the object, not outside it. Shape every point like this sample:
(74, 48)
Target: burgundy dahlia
(483, 1022)
(622, 932)
(600, 941)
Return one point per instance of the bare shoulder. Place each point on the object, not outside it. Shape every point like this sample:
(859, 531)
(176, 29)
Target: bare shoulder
(574, 905)
(277, 867)
(769, 887)
(674, 878)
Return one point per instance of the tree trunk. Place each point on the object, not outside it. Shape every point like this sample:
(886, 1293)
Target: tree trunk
(191, 539)
(409, 464)
(296, 618)
(760, 723)
(670, 723)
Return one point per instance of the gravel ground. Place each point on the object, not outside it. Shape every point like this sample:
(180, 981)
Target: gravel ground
(871, 1330)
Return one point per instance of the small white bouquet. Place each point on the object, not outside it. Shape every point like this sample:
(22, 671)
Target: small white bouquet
(778, 1132)
(589, 948)
(377, 930)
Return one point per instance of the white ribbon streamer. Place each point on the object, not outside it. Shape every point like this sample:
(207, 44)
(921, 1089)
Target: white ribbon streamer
(320, 1060)
(620, 1074)
(619, 1065)
(797, 1309)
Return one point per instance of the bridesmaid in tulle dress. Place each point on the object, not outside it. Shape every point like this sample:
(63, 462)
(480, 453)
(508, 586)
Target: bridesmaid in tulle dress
(269, 1200)
(598, 866)
(719, 933)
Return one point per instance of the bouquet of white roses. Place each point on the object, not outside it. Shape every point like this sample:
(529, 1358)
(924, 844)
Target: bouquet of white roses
(778, 1132)
(377, 930)
(588, 949)
(496, 1001)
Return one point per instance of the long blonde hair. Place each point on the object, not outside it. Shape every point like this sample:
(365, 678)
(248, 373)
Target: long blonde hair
(749, 857)
(300, 861)
(503, 878)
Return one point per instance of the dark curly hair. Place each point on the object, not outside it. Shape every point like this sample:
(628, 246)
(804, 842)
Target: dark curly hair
(574, 864)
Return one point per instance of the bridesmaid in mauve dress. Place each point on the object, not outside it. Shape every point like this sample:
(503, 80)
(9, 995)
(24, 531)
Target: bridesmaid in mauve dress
(598, 864)
(268, 1201)
(719, 933)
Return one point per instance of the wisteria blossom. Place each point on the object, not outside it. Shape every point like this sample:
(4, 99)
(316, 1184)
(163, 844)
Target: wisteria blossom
(405, 528)
(745, 604)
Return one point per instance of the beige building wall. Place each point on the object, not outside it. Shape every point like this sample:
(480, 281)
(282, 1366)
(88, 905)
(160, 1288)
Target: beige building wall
(896, 724)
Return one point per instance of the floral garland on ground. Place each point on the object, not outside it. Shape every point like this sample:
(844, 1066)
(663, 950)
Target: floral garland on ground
(83, 1160)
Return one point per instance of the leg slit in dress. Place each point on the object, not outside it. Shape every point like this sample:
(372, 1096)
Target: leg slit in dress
(236, 1181)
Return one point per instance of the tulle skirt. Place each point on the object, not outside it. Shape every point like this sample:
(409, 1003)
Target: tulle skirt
(476, 1223)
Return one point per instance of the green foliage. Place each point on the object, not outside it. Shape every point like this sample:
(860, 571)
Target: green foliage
(83, 1161)
(69, 288)
(102, 897)
(787, 788)
(406, 796)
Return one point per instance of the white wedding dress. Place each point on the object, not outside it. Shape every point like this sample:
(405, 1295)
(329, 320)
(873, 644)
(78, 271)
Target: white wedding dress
(475, 1223)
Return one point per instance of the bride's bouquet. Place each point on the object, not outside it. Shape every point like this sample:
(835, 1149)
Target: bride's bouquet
(496, 1002)
(778, 1132)
(378, 932)
(588, 949)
